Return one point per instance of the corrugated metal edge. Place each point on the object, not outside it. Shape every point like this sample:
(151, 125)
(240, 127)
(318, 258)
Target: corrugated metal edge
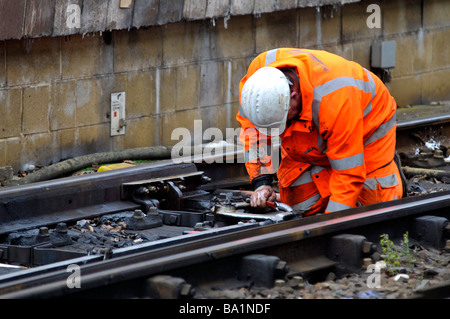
(38, 18)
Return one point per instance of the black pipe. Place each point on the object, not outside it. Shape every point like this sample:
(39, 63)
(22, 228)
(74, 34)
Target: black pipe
(74, 164)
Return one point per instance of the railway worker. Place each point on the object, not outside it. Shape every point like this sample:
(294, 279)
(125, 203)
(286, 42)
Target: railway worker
(337, 126)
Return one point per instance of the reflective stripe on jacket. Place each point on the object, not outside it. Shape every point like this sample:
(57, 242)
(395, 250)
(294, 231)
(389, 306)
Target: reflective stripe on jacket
(347, 122)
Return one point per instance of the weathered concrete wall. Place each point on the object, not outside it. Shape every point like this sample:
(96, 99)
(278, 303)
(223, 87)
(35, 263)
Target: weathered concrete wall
(55, 90)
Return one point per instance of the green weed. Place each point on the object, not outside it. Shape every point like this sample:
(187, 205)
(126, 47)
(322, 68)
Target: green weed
(394, 255)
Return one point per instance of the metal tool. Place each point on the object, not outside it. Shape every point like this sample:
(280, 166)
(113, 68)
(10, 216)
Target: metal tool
(285, 211)
(281, 207)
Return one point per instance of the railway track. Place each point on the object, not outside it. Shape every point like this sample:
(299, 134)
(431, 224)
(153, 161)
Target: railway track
(166, 230)
(302, 246)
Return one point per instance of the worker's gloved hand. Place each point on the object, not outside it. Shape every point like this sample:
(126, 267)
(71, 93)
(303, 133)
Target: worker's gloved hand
(262, 194)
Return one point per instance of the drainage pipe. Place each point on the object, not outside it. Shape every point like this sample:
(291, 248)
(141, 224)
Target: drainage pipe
(74, 164)
(437, 173)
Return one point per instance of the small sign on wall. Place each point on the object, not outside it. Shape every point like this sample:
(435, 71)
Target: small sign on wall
(118, 119)
(125, 4)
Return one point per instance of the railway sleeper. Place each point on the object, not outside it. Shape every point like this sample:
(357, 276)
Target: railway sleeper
(168, 287)
(349, 252)
(432, 232)
(260, 270)
(344, 254)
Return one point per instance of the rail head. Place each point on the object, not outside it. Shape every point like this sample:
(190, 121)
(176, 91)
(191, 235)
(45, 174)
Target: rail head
(204, 247)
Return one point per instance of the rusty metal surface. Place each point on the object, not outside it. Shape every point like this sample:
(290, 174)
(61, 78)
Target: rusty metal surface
(145, 12)
(60, 26)
(37, 18)
(11, 19)
(93, 16)
(118, 18)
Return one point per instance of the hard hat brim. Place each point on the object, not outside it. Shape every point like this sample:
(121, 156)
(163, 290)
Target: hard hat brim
(275, 129)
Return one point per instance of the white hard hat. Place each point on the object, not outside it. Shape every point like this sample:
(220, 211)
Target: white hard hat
(265, 100)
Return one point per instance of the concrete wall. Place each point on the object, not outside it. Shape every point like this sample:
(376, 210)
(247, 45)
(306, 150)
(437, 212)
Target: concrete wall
(55, 90)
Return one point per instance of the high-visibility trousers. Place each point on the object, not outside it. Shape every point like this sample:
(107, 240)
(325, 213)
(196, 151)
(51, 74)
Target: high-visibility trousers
(309, 193)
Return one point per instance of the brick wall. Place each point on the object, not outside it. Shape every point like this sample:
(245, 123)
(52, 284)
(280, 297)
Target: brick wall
(55, 90)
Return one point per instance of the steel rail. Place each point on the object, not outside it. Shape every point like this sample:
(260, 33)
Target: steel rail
(31, 206)
(424, 121)
(155, 261)
(441, 291)
(73, 198)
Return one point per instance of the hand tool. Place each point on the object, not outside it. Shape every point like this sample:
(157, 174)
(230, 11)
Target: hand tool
(281, 207)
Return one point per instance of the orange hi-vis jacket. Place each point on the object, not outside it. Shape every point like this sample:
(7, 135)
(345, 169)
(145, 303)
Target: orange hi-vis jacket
(347, 125)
